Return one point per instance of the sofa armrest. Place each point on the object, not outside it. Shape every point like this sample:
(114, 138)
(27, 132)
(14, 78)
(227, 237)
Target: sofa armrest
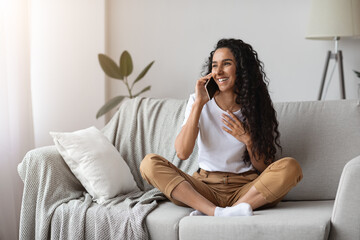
(48, 182)
(346, 213)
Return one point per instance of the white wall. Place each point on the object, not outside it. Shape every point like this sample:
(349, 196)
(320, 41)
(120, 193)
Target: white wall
(16, 133)
(67, 81)
(179, 35)
(68, 84)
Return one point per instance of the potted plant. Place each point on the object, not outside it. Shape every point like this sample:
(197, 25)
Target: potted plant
(122, 73)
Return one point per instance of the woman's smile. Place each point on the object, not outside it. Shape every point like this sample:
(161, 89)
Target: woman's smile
(223, 79)
(224, 69)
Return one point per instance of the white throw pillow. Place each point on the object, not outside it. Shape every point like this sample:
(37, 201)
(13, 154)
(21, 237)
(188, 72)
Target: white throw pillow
(95, 162)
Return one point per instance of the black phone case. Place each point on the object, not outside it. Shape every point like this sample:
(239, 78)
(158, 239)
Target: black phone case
(211, 88)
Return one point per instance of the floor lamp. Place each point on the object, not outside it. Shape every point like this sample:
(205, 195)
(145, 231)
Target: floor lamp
(332, 20)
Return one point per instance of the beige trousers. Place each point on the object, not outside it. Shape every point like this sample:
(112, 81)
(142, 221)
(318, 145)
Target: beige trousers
(221, 188)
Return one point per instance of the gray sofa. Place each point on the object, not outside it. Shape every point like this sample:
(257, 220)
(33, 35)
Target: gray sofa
(323, 136)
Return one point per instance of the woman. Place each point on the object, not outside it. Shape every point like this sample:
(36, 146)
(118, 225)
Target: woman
(237, 133)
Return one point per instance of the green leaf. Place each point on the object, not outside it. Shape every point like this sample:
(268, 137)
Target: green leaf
(109, 105)
(142, 91)
(142, 74)
(109, 67)
(126, 65)
(357, 73)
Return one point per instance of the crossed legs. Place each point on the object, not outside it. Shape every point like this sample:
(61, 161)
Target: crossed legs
(185, 193)
(184, 190)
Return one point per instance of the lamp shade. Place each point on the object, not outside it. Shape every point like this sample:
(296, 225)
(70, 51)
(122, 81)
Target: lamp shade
(334, 18)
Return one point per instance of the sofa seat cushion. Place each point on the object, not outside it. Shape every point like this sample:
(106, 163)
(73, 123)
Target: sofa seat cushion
(289, 220)
(163, 221)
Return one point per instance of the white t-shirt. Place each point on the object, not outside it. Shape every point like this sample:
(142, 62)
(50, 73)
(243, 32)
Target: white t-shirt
(218, 150)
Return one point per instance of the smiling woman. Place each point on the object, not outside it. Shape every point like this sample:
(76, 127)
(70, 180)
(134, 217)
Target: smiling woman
(247, 88)
(237, 135)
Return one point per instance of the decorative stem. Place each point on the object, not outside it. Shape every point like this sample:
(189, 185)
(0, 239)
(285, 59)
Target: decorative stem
(127, 85)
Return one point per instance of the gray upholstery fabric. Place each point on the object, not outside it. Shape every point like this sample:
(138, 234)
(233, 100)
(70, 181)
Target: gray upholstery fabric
(146, 125)
(55, 205)
(289, 220)
(37, 206)
(346, 215)
(163, 221)
(323, 136)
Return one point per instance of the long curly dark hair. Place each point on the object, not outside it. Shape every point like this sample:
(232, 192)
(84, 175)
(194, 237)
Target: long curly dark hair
(251, 88)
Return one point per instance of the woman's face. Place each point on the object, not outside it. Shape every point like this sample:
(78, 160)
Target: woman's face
(224, 69)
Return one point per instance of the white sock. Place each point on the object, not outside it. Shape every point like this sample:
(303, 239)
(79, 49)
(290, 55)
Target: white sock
(242, 209)
(197, 213)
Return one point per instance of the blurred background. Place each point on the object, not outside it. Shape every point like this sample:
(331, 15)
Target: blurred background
(51, 79)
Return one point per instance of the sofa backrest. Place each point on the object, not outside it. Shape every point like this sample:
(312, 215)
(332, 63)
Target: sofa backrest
(323, 136)
(146, 125)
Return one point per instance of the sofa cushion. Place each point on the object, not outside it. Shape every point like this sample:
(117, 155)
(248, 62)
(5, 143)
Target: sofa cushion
(95, 162)
(163, 221)
(322, 136)
(289, 220)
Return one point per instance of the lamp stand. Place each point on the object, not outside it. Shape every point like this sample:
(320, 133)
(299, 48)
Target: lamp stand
(339, 59)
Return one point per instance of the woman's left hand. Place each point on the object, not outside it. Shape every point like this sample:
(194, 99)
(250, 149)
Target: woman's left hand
(235, 127)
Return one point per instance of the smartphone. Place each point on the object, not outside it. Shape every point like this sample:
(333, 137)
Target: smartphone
(211, 87)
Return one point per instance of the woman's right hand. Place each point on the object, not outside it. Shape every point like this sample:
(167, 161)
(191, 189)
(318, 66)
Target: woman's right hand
(186, 139)
(200, 90)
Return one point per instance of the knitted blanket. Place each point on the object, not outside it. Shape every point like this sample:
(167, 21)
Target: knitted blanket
(55, 204)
